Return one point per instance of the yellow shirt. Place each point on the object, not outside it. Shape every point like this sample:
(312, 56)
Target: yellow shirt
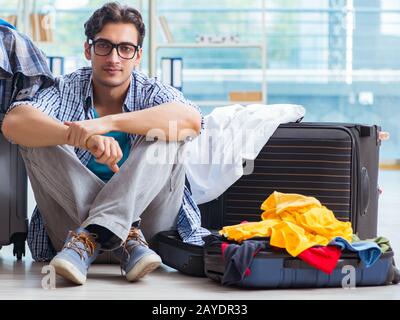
(292, 221)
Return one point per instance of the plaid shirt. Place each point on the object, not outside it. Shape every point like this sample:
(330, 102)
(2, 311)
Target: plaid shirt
(70, 99)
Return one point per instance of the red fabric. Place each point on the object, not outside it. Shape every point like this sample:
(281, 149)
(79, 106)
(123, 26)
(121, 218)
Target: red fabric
(322, 258)
(224, 245)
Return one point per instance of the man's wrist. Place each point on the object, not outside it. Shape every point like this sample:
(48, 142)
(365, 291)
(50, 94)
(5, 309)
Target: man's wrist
(113, 122)
(64, 137)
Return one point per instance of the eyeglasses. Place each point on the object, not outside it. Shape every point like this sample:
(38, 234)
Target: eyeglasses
(104, 47)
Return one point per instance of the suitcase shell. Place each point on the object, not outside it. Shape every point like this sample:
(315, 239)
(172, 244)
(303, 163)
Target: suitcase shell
(13, 197)
(277, 269)
(185, 257)
(284, 271)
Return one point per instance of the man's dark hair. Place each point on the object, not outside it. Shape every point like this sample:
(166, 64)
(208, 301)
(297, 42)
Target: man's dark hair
(115, 13)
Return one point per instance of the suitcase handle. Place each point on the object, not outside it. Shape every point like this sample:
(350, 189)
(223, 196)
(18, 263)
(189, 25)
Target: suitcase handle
(364, 131)
(291, 263)
(365, 191)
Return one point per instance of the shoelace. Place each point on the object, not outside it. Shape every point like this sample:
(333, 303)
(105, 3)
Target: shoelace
(134, 234)
(88, 241)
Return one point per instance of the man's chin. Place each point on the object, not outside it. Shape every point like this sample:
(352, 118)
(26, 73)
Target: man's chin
(112, 83)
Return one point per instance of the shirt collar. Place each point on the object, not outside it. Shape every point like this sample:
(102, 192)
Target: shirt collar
(129, 99)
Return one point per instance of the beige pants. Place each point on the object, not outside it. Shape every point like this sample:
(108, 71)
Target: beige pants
(149, 187)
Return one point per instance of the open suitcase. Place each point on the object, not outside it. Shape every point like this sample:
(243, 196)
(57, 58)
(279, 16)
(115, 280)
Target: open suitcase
(336, 163)
(13, 197)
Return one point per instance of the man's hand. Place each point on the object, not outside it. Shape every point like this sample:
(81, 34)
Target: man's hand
(79, 132)
(106, 150)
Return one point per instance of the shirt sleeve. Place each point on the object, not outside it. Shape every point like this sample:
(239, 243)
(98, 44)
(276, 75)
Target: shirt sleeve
(46, 100)
(158, 93)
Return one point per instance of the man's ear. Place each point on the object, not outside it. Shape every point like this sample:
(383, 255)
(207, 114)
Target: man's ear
(138, 57)
(88, 54)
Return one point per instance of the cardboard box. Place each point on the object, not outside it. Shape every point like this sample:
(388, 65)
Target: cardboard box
(245, 96)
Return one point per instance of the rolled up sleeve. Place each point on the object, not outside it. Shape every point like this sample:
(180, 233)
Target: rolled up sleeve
(47, 100)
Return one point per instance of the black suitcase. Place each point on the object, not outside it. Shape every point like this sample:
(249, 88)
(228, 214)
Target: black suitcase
(336, 163)
(13, 197)
(185, 257)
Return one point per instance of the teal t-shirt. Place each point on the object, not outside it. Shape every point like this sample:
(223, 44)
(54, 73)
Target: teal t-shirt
(101, 170)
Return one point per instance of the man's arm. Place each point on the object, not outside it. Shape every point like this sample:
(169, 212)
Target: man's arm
(30, 127)
(175, 121)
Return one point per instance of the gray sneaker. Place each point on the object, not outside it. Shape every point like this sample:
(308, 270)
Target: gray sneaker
(135, 256)
(79, 251)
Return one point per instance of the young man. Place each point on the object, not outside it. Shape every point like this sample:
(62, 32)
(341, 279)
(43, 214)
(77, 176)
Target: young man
(84, 146)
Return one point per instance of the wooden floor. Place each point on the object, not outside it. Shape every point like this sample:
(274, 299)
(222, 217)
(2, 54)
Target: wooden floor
(22, 280)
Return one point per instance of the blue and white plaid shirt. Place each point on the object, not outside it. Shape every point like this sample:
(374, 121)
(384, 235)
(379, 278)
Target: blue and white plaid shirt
(70, 99)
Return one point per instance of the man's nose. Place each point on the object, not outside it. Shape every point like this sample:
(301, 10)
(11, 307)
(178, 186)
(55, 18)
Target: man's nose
(113, 56)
